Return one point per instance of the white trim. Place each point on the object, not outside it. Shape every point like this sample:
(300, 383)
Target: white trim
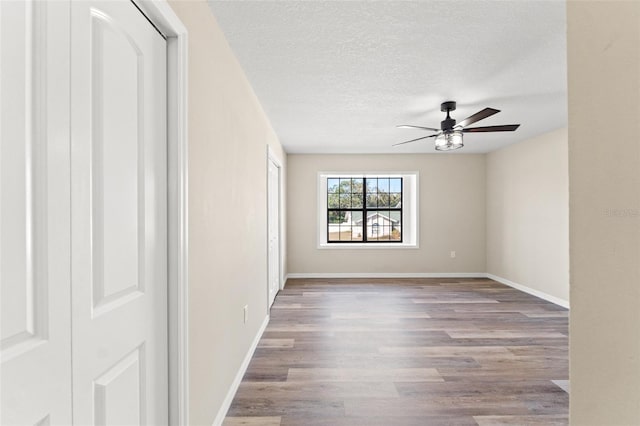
(367, 246)
(388, 275)
(163, 17)
(272, 155)
(222, 412)
(531, 291)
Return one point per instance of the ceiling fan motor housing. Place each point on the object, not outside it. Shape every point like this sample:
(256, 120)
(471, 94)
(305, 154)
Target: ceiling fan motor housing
(448, 123)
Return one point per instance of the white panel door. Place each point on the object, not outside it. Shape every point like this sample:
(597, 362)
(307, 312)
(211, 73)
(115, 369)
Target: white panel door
(35, 288)
(273, 230)
(119, 217)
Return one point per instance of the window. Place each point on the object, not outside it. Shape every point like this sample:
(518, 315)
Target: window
(367, 210)
(364, 209)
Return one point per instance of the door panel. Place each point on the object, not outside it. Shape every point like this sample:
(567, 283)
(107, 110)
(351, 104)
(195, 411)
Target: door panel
(119, 219)
(20, 302)
(34, 214)
(118, 163)
(119, 394)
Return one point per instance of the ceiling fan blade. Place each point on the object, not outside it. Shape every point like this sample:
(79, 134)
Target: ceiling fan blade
(417, 139)
(480, 115)
(504, 128)
(409, 126)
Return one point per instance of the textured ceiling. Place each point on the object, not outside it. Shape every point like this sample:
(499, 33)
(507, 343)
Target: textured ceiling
(338, 76)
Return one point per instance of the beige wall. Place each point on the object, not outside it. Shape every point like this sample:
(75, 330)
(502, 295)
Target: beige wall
(604, 183)
(452, 215)
(528, 214)
(228, 137)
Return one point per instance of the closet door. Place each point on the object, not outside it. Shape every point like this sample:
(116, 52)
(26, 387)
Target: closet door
(119, 216)
(35, 279)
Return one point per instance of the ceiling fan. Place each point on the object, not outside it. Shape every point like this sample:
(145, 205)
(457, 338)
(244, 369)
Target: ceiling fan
(449, 136)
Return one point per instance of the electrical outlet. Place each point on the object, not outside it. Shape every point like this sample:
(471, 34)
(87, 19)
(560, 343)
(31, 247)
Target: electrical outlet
(453, 254)
(246, 313)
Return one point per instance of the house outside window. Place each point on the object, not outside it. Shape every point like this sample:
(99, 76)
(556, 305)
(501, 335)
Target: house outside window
(367, 210)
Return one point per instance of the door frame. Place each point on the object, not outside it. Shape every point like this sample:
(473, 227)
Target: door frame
(164, 18)
(271, 156)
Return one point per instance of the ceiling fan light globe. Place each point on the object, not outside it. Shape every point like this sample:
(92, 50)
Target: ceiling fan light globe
(449, 141)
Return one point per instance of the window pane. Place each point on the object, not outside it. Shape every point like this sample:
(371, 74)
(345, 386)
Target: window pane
(380, 224)
(337, 216)
(372, 200)
(394, 185)
(333, 201)
(334, 233)
(373, 230)
(356, 231)
(345, 185)
(372, 185)
(345, 201)
(356, 200)
(395, 199)
(383, 185)
(383, 200)
(345, 232)
(395, 233)
(332, 185)
(386, 231)
(356, 185)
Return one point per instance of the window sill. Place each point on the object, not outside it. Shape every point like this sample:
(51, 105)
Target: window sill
(359, 246)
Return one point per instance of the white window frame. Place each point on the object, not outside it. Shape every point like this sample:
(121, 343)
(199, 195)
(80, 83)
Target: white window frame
(410, 211)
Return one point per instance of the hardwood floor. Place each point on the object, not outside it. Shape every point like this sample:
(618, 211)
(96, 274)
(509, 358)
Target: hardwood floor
(375, 352)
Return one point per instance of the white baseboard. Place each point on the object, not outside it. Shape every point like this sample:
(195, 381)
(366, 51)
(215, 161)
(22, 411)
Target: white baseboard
(387, 275)
(222, 412)
(531, 291)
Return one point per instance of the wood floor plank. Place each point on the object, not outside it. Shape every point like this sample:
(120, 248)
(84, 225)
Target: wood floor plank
(406, 352)
(449, 351)
(378, 315)
(321, 390)
(546, 420)
(524, 390)
(503, 334)
(268, 407)
(364, 375)
(560, 314)
(276, 343)
(453, 301)
(252, 421)
(436, 406)
(380, 421)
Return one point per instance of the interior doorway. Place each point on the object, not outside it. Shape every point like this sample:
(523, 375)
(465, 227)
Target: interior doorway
(274, 229)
